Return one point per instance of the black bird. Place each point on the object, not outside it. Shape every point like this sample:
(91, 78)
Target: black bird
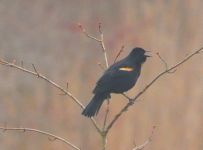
(118, 78)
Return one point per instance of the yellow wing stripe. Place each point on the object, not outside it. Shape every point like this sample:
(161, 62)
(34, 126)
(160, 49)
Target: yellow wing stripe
(126, 69)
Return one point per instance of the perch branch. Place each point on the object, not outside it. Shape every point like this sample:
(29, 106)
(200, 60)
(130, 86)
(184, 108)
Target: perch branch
(131, 101)
(43, 133)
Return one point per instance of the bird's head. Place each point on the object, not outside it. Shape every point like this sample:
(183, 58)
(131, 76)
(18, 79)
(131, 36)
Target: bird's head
(138, 55)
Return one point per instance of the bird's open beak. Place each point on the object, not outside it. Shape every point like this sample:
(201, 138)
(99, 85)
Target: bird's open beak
(148, 55)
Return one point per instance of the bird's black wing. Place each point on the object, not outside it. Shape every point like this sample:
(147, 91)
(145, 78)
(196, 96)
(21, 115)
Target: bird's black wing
(112, 75)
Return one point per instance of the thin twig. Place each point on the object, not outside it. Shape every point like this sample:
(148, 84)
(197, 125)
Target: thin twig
(119, 53)
(67, 85)
(103, 45)
(108, 102)
(104, 137)
(165, 63)
(39, 75)
(43, 133)
(117, 116)
(142, 146)
(106, 115)
(87, 34)
(101, 40)
(35, 70)
(126, 96)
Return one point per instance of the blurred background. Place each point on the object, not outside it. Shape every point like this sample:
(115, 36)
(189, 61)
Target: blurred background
(45, 32)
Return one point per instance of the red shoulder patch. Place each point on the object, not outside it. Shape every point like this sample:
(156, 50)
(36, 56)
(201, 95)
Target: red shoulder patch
(126, 69)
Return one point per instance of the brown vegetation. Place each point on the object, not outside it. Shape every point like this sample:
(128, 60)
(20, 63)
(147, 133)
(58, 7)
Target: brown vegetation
(45, 33)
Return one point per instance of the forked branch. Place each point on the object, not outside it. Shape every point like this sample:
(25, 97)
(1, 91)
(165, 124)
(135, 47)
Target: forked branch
(142, 146)
(54, 84)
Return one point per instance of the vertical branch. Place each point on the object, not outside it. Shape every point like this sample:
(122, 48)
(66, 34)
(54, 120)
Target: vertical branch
(103, 45)
(106, 115)
(101, 42)
(104, 137)
(104, 141)
(107, 65)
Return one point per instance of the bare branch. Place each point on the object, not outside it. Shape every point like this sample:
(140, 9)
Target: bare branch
(104, 141)
(104, 137)
(87, 34)
(100, 27)
(103, 45)
(165, 63)
(119, 53)
(106, 115)
(67, 85)
(50, 135)
(39, 75)
(142, 146)
(35, 70)
(130, 103)
(101, 42)
(126, 96)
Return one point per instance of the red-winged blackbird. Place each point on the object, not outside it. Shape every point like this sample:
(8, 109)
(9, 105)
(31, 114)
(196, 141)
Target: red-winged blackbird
(118, 78)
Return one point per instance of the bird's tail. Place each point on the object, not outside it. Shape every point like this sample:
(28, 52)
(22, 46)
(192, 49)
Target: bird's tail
(93, 107)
